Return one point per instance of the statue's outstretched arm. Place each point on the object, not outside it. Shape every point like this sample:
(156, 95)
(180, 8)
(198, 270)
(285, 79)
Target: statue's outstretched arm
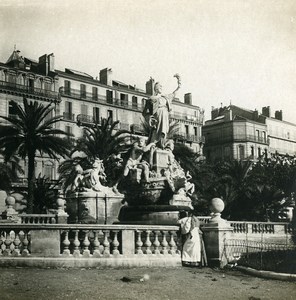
(178, 82)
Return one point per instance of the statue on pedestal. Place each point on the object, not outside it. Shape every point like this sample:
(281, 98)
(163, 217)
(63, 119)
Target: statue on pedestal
(157, 111)
(156, 183)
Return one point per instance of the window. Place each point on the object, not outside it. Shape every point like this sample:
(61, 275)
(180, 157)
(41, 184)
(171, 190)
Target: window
(11, 78)
(264, 136)
(259, 152)
(143, 102)
(47, 85)
(68, 111)
(110, 114)
(109, 95)
(135, 102)
(96, 114)
(123, 99)
(84, 109)
(82, 91)
(68, 107)
(186, 129)
(257, 135)
(67, 84)
(11, 109)
(195, 130)
(252, 151)
(94, 93)
(241, 152)
(31, 84)
(48, 170)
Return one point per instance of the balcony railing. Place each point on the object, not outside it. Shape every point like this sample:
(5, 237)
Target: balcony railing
(186, 117)
(236, 138)
(9, 86)
(100, 98)
(68, 116)
(189, 138)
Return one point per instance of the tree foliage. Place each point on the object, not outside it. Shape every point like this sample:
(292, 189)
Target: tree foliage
(30, 132)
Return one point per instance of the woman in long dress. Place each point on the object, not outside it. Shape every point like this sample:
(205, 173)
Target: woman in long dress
(193, 252)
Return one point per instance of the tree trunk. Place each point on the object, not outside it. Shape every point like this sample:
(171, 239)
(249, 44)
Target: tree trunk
(31, 181)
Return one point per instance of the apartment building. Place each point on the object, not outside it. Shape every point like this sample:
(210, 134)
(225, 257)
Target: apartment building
(238, 133)
(82, 100)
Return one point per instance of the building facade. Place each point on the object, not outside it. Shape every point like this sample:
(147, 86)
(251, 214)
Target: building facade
(238, 133)
(83, 100)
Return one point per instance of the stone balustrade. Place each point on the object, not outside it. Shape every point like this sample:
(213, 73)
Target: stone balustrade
(138, 244)
(275, 232)
(38, 218)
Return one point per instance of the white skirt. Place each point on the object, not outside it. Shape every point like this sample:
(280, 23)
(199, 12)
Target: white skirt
(191, 249)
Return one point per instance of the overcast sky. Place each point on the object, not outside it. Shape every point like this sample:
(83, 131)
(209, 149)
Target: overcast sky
(225, 50)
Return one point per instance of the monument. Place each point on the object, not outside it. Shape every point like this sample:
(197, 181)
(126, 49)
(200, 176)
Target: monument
(158, 188)
(155, 186)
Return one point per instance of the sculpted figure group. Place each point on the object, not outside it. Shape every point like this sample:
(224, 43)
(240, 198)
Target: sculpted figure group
(142, 159)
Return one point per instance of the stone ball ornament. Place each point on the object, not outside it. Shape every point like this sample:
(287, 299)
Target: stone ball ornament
(217, 205)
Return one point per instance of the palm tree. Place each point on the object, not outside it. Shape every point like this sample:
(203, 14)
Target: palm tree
(101, 141)
(30, 132)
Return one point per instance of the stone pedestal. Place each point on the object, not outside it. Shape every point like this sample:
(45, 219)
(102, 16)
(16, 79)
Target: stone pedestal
(84, 208)
(216, 233)
(215, 236)
(160, 160)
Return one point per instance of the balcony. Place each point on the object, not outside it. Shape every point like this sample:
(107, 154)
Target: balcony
(236, 138)
(189, 138)
(86, 119)
(187, 117)
(68, 116)
(28, 91)
(77, 94)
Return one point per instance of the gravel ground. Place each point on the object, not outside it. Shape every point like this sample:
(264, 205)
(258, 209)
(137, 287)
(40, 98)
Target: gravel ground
(163, 283)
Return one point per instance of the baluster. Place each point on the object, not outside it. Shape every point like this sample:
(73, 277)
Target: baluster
(25, 244)
(7, 243)
(115, 243)
(139, 243)
(106, 243)
(16, 242)
(96, 244)
(101, 247)
(172, 243)
(86, 244)
(66, 244)
(76, 243)
(164, 243)
(156, 242)
(148, 243)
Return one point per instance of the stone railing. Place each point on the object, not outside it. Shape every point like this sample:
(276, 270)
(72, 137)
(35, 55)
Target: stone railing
(38, 218)
(276, 232)
(63, 244)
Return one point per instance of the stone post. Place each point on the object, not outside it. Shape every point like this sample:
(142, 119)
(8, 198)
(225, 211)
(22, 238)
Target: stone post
(10, 213)
(216, 233)
(62, 216)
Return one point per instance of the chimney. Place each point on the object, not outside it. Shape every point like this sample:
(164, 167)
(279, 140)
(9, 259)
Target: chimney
(51, 62)
(215, 113)
(150, 86)
(279, 115)
(255, 115)
(188, 98)
(43, 64)
(266, 111)
(106, 76)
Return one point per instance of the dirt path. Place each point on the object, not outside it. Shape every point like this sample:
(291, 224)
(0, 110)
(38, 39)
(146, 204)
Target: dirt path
(164, 283)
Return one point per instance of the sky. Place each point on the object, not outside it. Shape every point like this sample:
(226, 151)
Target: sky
(226, 51)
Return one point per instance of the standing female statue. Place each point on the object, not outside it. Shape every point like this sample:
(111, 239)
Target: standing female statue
(157, 109)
